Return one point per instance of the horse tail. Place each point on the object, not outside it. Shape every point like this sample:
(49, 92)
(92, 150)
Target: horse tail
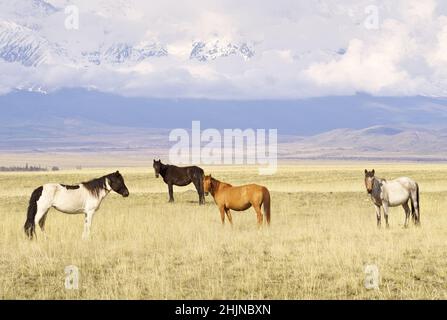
(419, 205)
(32, 210)
(202, 176)
(201, 187)
(266, 203)
(413, 207)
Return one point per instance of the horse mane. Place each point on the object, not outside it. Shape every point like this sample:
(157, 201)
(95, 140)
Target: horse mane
(215, 183)
(163, 168)
(96, 185)
(70, 187)
(377, 185)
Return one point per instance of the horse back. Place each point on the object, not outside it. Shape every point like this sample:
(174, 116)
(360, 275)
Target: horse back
(195, 171)
(184, 175)
(50, 193)
(399, 190)
(252, 193)
(402, 182)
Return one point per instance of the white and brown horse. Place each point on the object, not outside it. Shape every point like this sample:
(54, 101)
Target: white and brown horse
(83, 198)
(392, 193)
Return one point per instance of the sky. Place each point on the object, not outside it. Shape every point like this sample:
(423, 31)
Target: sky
(300, 49)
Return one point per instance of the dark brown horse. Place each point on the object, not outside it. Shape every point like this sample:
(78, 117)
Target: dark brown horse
(238, 198)
(180, 176)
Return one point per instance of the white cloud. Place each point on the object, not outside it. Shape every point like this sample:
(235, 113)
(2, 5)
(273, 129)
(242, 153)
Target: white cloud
(368, 66)
(301, 48)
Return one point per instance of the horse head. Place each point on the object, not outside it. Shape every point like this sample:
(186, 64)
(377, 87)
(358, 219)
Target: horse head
(369, 180)
(157, 167)
(207, 184)
(116, 182)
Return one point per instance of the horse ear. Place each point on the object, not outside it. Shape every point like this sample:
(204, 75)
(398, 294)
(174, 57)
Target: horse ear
(366, 171)
(373, 172)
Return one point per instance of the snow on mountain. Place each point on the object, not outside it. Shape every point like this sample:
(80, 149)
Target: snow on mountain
(24, 10)
(206, 51)
(42, 7)
(23, 45)
(122, 52)
(27, 38)
(26, 46)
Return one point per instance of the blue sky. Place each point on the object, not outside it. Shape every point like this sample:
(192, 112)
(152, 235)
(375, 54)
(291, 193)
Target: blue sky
(248, 49)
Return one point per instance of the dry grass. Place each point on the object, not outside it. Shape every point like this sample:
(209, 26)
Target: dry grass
(323, 234)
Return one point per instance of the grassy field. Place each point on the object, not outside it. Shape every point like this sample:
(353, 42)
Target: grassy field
(322, 236)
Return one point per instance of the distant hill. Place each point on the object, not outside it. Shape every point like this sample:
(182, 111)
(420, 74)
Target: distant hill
(331, 127)
(378, 142)
(298, 117)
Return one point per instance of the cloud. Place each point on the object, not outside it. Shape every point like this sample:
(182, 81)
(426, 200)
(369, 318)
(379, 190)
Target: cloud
(301, 49)
(371, 66)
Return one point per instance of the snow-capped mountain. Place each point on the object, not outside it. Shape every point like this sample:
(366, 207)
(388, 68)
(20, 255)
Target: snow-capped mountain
(23, 45)
(26, 46)
(206, 51)
(24, 10)
(29, 36)
(123, 53)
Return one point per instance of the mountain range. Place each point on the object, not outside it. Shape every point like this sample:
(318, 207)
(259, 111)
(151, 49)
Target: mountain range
(27, 45)
(344, 127)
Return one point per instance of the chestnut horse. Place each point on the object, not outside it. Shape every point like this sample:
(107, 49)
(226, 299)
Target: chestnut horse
(238, 198)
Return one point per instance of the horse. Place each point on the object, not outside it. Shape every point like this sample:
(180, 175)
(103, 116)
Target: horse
(85, 197)
(180, 176)
(385, 194)
(238, 198)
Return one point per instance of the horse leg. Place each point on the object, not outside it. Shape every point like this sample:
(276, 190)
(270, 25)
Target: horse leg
(40, 218)
(202, 192)
(385, 213)
(42, 224)
(378, 216)
(259, 215)
(415, 205)
(222, 214)
(87, 224)
(407, 213)
(171, 192)
(199, 189)
(229, 216)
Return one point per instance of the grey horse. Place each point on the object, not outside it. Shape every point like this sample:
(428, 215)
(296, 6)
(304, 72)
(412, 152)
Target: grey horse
(385, 194)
